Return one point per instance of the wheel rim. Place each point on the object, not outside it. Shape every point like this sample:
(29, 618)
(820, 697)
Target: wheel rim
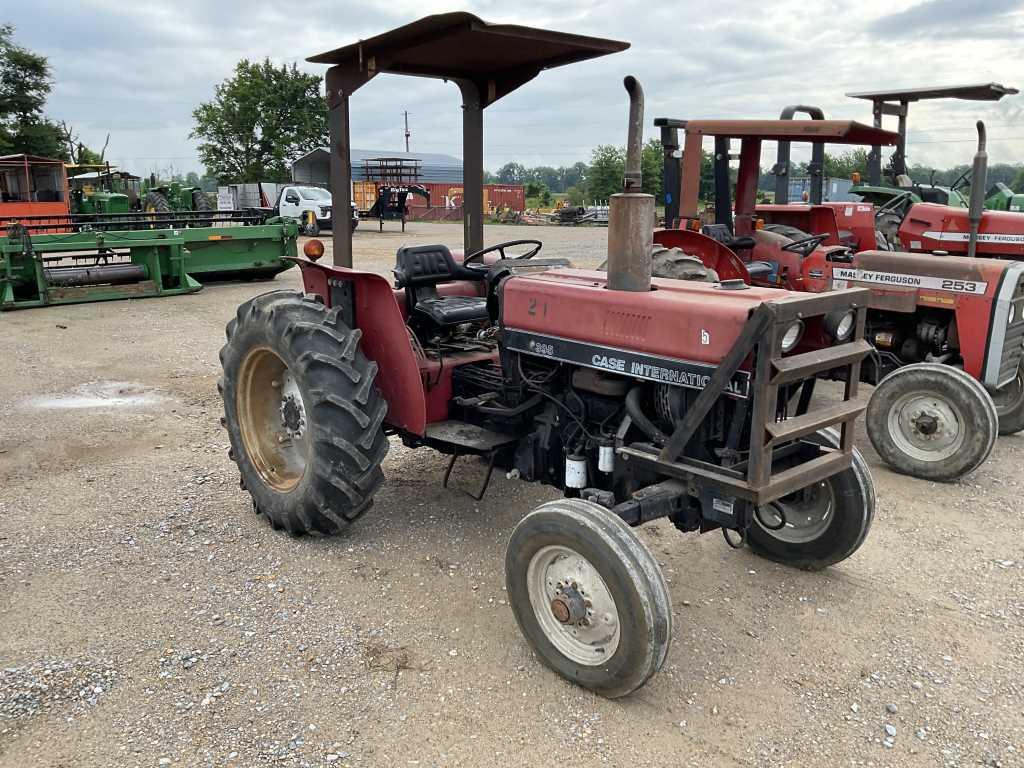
(1009, 397)
(926, 426)
(800, 517)
(573, 605)
(272, 419)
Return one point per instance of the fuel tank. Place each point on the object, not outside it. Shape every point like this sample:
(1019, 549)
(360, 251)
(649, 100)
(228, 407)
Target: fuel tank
(931, 227)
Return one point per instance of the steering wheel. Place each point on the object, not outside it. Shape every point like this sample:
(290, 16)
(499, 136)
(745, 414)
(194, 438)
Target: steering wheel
(961, 180)
(894, 206)
(805, 246)
(478, 256)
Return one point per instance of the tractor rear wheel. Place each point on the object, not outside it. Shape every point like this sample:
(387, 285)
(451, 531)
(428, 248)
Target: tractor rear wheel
(819, 525)
(932, 421)
(1009, 403)
(302, 413)
(154, 202)
(201, 202)
(588, 596)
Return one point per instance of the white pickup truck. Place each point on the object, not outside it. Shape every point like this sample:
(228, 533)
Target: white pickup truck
(310, 206)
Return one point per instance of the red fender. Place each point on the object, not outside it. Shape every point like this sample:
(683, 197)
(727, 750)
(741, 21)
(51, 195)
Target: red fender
(715, 256)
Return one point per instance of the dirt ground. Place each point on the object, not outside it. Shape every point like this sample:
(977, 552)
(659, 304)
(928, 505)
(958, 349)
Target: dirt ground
(148, 618)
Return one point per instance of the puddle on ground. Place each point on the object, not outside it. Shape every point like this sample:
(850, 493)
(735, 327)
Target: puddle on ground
(100, 394)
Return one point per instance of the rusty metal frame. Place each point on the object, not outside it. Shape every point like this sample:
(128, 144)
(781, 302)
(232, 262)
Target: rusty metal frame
(760, 340)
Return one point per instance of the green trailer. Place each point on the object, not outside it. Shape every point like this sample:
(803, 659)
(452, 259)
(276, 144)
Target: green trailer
(42, 269)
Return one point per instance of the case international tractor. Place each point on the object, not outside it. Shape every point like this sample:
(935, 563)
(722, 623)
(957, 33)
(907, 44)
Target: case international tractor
(635, 398)
(946, 331)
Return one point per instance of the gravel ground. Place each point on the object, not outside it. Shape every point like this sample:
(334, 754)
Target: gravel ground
(148, 618)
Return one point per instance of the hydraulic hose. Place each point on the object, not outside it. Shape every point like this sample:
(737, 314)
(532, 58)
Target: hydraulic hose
(636, 413)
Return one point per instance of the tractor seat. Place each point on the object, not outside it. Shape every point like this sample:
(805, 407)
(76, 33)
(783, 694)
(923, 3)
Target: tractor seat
(420, 269)
(760, 268)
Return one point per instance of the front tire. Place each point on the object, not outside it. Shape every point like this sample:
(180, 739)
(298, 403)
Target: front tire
(588, 596)
(303, 416)
(820, 525)
(1009, 402)
(932, 421)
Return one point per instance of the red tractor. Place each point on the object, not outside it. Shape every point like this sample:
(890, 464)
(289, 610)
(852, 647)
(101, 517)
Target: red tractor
(637, 398)
(947, 331)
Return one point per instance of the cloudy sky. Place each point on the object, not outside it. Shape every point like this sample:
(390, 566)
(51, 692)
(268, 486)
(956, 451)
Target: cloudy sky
(137, 70)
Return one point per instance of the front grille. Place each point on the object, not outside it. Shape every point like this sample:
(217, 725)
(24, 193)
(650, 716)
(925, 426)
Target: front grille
(1013, 343)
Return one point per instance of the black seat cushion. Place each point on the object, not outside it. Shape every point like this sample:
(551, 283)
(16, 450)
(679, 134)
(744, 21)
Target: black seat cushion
(453, 310)
(428, 265)
(760, 268)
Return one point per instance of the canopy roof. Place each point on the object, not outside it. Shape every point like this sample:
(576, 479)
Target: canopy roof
(812, 131)
(979, 92)
(461, 45)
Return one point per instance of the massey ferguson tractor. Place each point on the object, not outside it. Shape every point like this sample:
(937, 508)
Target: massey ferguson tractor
(635, 398)
(946, 331)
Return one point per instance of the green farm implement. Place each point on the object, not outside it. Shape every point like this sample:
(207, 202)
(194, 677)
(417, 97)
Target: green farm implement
(41, 266)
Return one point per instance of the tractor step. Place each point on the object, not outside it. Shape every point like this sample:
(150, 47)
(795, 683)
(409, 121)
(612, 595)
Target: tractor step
(469, 437)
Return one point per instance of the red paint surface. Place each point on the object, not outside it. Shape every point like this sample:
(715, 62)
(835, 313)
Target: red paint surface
(933, 218)
(674, 320)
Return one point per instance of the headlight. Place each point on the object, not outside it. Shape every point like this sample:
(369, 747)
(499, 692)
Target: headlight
(325, 212)
(792, 336)
(1010, 317)
(839, 324)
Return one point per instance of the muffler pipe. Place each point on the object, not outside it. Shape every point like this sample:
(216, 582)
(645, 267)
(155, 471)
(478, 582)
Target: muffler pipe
(634, 135)
(631, 212)
(979, 181)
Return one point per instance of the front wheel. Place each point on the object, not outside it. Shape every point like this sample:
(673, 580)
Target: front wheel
(1009, 402)
(819, 525)
(588, 596)
(932, 421)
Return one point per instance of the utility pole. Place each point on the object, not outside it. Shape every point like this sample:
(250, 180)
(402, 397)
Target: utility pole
(406, 114)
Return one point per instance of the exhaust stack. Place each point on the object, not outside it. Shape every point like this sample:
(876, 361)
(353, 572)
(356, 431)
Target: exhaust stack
(979, 181)
(631, 213)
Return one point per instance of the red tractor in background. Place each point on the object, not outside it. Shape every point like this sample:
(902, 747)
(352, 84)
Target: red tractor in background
(947, 331)
(636, 398)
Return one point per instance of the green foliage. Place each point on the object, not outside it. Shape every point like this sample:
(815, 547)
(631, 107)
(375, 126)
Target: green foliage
(512, 173)
(845, 165)
(607, 167)
(651, 166)
(1018, 181)
(25, 84)
(574, 195)
(259, 121)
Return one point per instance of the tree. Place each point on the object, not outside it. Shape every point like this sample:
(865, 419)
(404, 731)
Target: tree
(25, 84)
(512, 173)
(77, 151)
(574, 195)
(259, 121)
(652, 163)
(845, 165)
(607, 168)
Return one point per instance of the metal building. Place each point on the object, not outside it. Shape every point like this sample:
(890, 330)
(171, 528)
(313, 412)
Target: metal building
(314, 167)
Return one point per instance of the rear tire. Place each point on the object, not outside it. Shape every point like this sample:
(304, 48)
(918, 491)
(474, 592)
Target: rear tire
(615, 624)
(1009, 402)
(303, 416)
(823, 524)
(201, 202)
(932, 421)
(154, 202)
